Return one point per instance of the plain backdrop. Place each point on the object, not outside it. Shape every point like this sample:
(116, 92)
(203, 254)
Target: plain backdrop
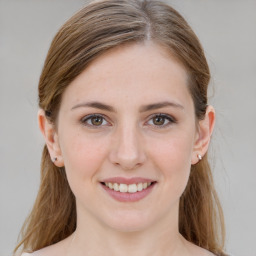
(227, 30)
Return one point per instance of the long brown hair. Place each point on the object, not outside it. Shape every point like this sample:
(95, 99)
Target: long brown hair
(91, 32)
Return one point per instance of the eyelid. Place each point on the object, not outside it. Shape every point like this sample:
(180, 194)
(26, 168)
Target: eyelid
(88, 117)
(171, 119)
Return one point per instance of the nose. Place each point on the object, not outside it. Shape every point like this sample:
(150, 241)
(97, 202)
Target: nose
(127, 149)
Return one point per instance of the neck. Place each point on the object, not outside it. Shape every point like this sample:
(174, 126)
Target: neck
(92, 238)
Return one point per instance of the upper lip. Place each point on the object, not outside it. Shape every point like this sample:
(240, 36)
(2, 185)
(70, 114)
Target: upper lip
(122, 180)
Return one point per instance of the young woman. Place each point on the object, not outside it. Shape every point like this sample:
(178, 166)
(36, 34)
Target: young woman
(124, 113)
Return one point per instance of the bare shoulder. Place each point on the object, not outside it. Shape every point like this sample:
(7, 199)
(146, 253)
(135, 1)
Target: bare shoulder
(196, 250)
(52, 250)
(202, 252)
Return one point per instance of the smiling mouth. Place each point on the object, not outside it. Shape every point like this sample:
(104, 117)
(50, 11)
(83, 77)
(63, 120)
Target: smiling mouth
(128, 188)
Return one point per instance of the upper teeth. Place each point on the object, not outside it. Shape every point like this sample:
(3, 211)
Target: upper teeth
(132, 188)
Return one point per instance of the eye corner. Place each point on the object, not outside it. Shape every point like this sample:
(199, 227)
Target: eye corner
(101, 121)
(164, 120)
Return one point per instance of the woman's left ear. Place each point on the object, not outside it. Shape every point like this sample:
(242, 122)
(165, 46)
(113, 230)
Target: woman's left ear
(203, 136)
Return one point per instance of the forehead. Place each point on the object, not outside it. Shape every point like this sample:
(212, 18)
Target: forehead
(132, 73)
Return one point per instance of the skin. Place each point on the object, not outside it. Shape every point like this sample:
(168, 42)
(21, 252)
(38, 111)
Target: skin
(128, 142)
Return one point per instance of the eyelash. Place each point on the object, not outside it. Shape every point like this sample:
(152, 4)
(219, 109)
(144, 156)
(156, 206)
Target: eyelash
(171, 120)
(85, 120)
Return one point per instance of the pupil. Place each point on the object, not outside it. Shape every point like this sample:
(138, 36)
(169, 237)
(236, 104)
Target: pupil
(159, 120)
(97, 120)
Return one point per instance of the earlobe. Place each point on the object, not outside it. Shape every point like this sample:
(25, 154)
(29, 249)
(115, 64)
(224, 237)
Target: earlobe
(205, 131)
(51, 138)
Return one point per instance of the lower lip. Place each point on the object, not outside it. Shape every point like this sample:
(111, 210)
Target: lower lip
(128, 197)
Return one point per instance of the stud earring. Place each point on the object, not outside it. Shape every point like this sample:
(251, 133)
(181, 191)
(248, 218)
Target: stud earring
(199, 157)
(54, 159)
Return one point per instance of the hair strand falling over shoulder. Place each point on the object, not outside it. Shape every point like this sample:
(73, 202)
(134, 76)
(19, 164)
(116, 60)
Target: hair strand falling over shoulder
(95, 29)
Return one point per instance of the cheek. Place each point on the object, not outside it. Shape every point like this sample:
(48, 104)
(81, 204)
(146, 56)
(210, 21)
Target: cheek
(173, 151)
(83, 157)
(173, 158)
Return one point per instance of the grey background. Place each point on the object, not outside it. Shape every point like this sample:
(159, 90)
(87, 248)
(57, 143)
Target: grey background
(227, 30)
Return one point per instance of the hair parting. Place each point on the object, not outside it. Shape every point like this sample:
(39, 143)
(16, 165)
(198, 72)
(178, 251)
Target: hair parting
(95, 29)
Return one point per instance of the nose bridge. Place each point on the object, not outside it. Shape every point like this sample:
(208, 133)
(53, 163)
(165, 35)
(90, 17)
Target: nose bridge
(127, 150)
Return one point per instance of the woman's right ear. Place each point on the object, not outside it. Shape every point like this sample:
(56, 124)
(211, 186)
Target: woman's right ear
(51, 138)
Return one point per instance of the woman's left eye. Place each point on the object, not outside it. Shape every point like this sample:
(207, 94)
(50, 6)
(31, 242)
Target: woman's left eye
(161, 120)
(94, 121)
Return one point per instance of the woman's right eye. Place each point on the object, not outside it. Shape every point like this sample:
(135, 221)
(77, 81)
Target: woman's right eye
(94, 121)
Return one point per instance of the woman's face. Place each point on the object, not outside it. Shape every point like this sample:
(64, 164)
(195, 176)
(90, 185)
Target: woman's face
(128, 119)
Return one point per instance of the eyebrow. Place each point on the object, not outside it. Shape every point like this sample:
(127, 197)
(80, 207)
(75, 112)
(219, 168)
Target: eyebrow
(160, 105)
(144, 108)
(95, 104)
